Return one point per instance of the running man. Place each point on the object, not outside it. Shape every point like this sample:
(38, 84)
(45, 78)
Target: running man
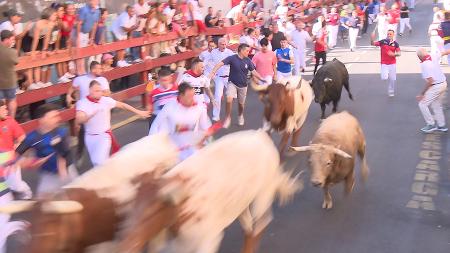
(390, 50)
(94, 111)
(433, 93)
(240, 65)
(183, 119)
(199, 82)
(285, 59)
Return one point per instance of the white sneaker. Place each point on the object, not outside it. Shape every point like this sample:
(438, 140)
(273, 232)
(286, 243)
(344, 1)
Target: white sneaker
(34, 86)
(215, 119)
(69, 75)
(122, 64)
(47, 84)
(241, 120)
(63, 79)
(40, 84)
(226, 123)
(19, 91)
(138, 60)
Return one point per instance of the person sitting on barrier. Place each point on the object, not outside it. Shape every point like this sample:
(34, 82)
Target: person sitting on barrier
(8, 77)
(125, 24)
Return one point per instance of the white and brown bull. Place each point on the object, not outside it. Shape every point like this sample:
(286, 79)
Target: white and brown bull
(333, 149)
(286, 105)
(237, 176)
(89, 211)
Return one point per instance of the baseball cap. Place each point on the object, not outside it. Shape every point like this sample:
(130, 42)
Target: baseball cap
(12, 13)
(6, 34)
(107, 57)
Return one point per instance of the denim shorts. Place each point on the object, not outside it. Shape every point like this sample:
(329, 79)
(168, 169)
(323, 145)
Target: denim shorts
(8, 94)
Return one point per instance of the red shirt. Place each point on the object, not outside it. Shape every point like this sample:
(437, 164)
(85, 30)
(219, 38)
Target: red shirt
(394, 16)
(70, 20)
(321, 37)
(10, 131)
(386, 46)
(333, 19)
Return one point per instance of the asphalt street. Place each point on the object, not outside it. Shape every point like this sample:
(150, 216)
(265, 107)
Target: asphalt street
(405, 205)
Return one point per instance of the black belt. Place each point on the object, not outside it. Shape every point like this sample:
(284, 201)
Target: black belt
(224, 76)
(438, 83)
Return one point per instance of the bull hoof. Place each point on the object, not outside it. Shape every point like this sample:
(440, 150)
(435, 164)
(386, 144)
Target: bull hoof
(327, 204)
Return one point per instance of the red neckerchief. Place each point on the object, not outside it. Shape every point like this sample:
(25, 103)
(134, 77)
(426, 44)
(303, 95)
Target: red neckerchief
(427, 58)
(194, 104)
(93, 100)
(190, 72)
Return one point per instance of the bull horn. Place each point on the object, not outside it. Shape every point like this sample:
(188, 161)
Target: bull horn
(62, 207)
(17, 206)
(302, 148)
(341, 153)
(258, 88)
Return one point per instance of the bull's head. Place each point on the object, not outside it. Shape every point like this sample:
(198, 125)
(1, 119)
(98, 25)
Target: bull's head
(319, 86)
(278, 100)
(156, 208)
(52, 224)
(322, 159)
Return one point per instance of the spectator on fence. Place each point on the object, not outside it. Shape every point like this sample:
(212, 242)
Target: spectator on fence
(80, 85)
(142, 9)
(124, 25)
(65, 40)
(94, 112)
(282, 10)
(38, 39)
(100, 33)
(235, 15)
(165, 91)
(88, 18)
(107, 61)
(198, 21)
(210, 20)
(156, 24)
(8, 77)
(13, 24)
(251, 7)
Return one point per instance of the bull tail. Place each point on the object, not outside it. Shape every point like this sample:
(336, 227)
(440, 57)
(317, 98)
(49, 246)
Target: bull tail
(288, 186)
(347, 87)
(362, 156)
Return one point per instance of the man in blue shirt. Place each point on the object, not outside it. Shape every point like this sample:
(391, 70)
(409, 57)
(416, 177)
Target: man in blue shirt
(88, 18)
(51, 141)
(285, 58)
(240, 65)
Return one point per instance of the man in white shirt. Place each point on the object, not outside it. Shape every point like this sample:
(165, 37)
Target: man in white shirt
(433, 93)
(221, 78)
(205, 56)
(199, 82)
(185, 120)
(299, 37)
(81, 83)
(125, 24)
(282, 10)
(94, 112)
(141, 8)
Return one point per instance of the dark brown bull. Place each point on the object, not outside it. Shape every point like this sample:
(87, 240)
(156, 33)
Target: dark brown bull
(286, 104)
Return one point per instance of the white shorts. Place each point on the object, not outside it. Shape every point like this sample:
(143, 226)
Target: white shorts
(281, 75)
(268, 79)
(236, 92)
(388, 71)
(84, 39)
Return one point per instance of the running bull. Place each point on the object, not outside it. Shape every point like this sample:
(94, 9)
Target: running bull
(333, 150)
(187, 209)
(286, 104)
(327, 84)
(91, 209)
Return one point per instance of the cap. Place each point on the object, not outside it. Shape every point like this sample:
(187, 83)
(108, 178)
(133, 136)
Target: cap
(106, 57)
(12, 13)
(6, 34)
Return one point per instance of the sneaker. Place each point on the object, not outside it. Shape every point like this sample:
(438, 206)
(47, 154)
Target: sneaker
(34, 86)
(69, 75)
(241, 120)
(138, 60)
(40, 84)
(148, 57)
(122, 64)
(226, 123)
(215, 119)
(64, 79)
(47, 84)
(19, 91)
(428, 128)
(391, 93)
(442, 129)
(400, 34)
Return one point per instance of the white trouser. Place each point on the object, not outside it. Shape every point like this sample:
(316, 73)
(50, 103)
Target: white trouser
(382, 32)
(51, 182)
(281, 75)
(299, 60)
(332, 35)
(404, 22)
(353, 35)
(98, 147)
(268, 80)
(412, 3)
(7, 227)
(392, 27)
(220, 83)
(15, 183)
(447, 47)
(371, 18)
(437, 46)
(433, 98)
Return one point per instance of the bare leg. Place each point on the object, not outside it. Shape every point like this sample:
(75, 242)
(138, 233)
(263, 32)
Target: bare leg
(251, 242)
(295, 135)
(240, 109)
(228, 108)
(283, 142)
(327, 200)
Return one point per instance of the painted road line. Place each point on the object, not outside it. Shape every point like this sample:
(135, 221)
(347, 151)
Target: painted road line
(125, 122)
(426, 179)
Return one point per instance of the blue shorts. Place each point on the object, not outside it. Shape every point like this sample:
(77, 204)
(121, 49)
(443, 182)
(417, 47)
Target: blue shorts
(8, 94)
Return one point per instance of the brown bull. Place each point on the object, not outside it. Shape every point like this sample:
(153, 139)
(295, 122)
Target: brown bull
(286, 105)
(333, 150)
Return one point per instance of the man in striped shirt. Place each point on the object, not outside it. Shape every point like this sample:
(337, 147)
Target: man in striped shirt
(164, 92)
